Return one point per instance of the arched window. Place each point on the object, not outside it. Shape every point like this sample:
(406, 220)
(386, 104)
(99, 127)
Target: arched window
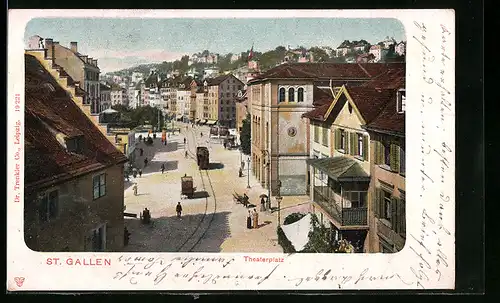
(291, 94)
(300, 95)
(282, 95)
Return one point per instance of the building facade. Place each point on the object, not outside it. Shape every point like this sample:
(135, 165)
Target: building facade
(222, 93)
(277, 99)
(105, 92)
(80, 68)
(74, 180)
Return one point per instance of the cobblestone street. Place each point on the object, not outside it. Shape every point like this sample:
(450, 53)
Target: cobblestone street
(208, 224)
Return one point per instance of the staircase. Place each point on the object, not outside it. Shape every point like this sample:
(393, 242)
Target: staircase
(72, 87)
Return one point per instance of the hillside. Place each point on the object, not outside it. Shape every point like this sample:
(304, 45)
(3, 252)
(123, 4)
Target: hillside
(266, 60)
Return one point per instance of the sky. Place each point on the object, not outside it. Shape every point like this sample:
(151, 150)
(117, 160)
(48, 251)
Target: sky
(122, 43)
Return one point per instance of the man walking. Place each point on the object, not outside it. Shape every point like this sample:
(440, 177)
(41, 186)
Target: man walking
(178, 209)
(162, 167)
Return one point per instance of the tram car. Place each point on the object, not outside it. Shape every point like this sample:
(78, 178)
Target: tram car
(203, 157)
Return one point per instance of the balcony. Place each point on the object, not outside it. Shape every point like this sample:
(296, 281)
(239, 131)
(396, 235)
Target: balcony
(345, 216)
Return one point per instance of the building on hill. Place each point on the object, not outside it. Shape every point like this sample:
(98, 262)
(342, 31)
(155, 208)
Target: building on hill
(74, 181)
(211, 72)
(277, 99)
(118, 95)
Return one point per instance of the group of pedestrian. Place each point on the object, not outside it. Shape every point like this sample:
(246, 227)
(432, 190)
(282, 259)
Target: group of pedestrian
(253, 219)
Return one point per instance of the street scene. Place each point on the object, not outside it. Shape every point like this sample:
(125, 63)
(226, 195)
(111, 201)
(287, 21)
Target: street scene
(212, 221)
(215, 137)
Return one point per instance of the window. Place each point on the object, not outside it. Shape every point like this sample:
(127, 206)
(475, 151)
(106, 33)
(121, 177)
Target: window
(300, 95)
(324, 136)
(49, 206)
(282, 95)
(316, 133)
(360, 145)
(342, 139)
(357, 199)
(291, 94)
(99, 182)
(386, 207)
(387, 153)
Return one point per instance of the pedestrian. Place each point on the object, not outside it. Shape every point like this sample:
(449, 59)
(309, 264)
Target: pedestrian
(146, 162)
(165, 142)
(242, 164)
(184, 140)
(249, 220)
(135, 189)
(255, 219)
(134, 172)
(140, 172)
(178, 209)
(240, 173)
(162, 167)
(225, 145)
(126, 236)
(142, 151)
(262, 204)
(186, 154)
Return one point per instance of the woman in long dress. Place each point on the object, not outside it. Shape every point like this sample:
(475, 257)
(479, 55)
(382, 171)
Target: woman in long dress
(249, 220)
(255, 219)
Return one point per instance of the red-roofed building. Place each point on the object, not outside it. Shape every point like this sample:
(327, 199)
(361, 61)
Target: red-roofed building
(356, 145)
(278, 98)
(74, 179)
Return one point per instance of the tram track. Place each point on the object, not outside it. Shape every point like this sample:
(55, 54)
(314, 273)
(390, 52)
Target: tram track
(191, 242)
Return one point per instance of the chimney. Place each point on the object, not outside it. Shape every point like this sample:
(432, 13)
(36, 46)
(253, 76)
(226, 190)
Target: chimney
(49, 45)
(89, 60)
(73, 46)
(94, 62)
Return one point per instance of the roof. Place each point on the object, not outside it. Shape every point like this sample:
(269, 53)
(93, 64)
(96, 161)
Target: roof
(152, 80)
(50, 113)
(389, 119)
(344, 71)
(370, 101)
(217, 80)
(394, 78)
(340, 168)
(321, 96)
(104, 87)
(318, 113)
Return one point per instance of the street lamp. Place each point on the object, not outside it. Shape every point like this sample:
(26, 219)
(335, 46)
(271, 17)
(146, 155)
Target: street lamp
(248, 172)
(278, 199)
(268, 168)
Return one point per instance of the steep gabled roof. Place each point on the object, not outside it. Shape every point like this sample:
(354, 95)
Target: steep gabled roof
(370, 101)
(50, 116)
(389, 119)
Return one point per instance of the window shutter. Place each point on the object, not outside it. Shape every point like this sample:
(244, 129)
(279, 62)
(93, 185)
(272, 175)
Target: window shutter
(365, 148)
(378, 202)
(351, 143)
(397, 151)
(381, 152)
(402, 216)
(337, 138)
(393, 157)
(394, 214)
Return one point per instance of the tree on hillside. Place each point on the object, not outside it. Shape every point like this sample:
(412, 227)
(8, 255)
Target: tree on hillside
(319, 54)
(245, 135)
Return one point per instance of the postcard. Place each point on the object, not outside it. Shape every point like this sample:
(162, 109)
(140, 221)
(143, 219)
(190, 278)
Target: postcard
(207, 150)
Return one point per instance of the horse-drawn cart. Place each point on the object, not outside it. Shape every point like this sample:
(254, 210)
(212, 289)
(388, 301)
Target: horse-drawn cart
(187, 187)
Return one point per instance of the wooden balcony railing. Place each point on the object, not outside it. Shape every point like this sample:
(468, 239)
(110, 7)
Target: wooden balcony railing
(345, 216)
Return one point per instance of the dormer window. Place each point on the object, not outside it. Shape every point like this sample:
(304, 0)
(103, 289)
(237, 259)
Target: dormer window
(75, 144)
(401, 101)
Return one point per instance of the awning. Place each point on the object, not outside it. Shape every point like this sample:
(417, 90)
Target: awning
(211, 122)
(340, 168)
